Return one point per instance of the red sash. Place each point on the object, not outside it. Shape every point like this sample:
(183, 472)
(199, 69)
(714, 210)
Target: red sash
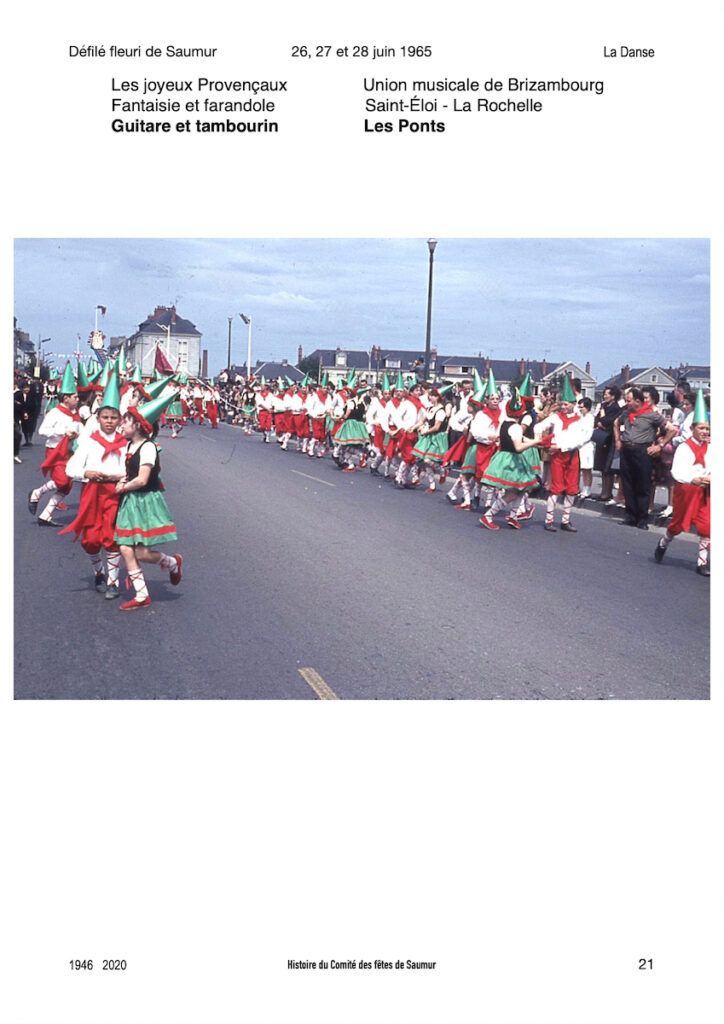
(109, 447)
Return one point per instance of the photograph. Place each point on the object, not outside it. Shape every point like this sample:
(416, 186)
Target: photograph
(262, 446)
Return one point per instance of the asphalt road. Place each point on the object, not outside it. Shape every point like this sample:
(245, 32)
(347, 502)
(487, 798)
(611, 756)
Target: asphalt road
(303, 582)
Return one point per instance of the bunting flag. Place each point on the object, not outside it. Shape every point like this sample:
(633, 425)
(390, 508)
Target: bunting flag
(103, 309)
(245, 318)
(160, 361)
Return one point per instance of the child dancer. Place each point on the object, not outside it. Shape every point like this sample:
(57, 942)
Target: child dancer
(143, 517)
(99, 463)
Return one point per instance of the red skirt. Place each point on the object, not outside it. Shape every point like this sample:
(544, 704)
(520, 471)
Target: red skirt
(692, 507)
(319, 428)
(378, 437)
(281, 422)
(456, 454)
(405, 445)
(95, 522)
(265, 419)
(483, 455)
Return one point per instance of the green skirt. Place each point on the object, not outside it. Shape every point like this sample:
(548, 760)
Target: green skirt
(352, 432)
(512, 470)
(469, 467)
(175, 411)
(432, 446)
(144, 518)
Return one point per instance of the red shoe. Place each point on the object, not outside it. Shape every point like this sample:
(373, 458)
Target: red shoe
(430, 490)
(176, 574)
(348, 469)
(525, 516)
(511, 521)
(465, 507)
(61, 506)
(488, 523)
(130, 606)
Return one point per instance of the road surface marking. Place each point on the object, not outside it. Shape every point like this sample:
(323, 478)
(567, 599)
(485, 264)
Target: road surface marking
(313, 678)
(315, 478)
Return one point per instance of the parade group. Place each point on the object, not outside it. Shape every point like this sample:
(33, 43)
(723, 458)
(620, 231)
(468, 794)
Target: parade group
(498, 446)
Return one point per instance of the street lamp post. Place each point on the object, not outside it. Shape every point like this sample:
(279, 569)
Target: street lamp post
(431, 243)
(228, 351)
(247, 321)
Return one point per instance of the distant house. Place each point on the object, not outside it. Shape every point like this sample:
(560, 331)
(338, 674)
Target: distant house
(372, 363)
(697, 377)
(180, 341)
(641, 377)
(24, 349)
(269, 369)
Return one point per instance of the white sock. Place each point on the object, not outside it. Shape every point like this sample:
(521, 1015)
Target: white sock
(168, 563)
(704, 545)
(113, 562)
(138, 582)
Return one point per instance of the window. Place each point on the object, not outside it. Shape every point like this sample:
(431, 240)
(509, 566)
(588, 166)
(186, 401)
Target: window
(654, 378)
(392, 364)
(340, 359)
(183, 353)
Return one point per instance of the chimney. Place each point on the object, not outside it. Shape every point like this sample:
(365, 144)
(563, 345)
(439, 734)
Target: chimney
(300, 355)
(588, 368)
(285, 362)
(487, 364)
(626, 371)
(205, 364)
(544, 368)
(521, 367)
(173, 314)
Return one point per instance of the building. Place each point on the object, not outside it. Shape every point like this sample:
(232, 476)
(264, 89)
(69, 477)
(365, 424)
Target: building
(179, 338)
(641, 377)
(269, 370)
(24, 349)
(373, 363)
(697, 377)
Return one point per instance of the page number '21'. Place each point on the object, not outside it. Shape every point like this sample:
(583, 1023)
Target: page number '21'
(646, 965)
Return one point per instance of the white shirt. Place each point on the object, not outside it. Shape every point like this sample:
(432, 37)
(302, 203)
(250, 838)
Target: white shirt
(483, 429)
(89, 455)
(54, 426)
(461, 417)
(684, 469)
(569, 438)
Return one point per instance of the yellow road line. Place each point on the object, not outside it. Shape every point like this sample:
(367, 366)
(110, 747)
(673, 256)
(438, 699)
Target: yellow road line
(313, 679)
(315, 478)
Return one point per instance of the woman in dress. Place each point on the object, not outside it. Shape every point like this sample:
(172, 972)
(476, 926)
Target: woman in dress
(144, 520)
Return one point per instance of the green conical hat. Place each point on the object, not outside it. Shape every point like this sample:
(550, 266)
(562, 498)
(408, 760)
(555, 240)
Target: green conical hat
(480, 394)
(325, 380)
(399, 383)
(93, 377)
(105, 373)
(567, 391)
(67, 385)
(150, 411)
(385, 382)
(525, 388)
(445, 388)
(53, 375)
(305, 380)
(477, 381)
(112, 395)
(83, 381)
(136, 377)
(157, 388)
(91, 367)
(514, 402)
(121, 360)
(701, 414)
(351, 378)
(263, 380)
(181, 378)
(491, 384)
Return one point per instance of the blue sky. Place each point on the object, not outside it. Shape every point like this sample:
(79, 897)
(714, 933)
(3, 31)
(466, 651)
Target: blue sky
(607, 301)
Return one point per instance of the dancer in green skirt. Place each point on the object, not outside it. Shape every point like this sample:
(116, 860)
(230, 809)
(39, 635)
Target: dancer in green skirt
(144, 520)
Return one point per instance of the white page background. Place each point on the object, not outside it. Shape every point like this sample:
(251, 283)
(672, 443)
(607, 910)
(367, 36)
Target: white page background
(536, 850)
